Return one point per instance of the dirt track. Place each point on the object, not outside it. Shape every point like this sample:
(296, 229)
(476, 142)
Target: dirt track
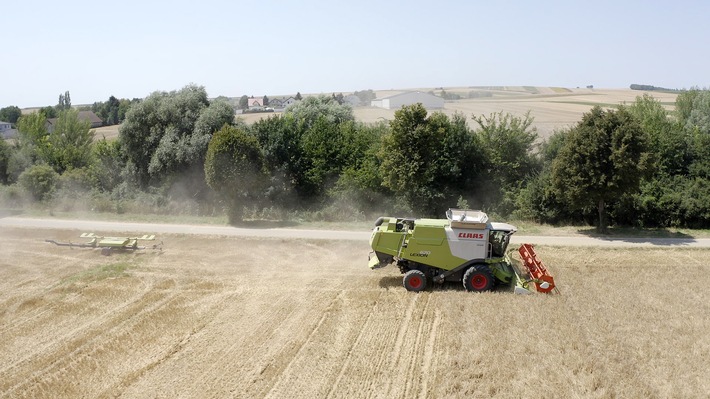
(263, 317)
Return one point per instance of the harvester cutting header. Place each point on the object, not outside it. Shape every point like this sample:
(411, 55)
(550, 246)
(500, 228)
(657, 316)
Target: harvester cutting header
(465, 247)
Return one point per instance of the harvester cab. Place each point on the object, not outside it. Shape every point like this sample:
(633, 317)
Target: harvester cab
(465, 247)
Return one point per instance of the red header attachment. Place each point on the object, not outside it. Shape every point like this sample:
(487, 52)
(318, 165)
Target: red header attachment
(538, 272)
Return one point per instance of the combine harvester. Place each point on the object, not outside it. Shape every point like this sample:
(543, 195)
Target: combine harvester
(465, 247)
(110, 244)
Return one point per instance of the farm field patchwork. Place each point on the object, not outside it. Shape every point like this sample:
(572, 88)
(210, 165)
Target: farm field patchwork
(551, 108)
(254, 317)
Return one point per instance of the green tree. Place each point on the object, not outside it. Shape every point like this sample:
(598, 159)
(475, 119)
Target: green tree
(234, 168)
(166, 135)
(40, 181)
(328, 148)
(684, 105)
(178, 151)
(107, 165)
(32, 136)
(667, 140)
(306, 112)
(10, 114)
(299, 97)
(508, 143)
(604, 157)
(123, 106)
(280, 140)
(265, 101)
(699, 118)
(69, 144)
(537, 199)
(49, 112)
(427, 161)
(307, 148)
(64, 102)
(243, 102)
(360, 182)
(365, 96)
(5, 155)
(110, 114)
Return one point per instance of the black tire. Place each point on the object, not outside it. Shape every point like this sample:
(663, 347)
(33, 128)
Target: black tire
(478, 278)
(414, 280)
(106, 251)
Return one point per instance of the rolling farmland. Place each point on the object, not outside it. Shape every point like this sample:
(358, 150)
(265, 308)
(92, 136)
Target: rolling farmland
(551, 108)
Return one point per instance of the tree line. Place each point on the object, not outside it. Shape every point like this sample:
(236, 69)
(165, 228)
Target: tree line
(634, 165)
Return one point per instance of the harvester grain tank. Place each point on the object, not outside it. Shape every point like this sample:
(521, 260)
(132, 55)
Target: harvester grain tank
(465, 247)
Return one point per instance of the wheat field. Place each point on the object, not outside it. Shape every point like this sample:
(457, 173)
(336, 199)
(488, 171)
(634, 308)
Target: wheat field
(219, 317)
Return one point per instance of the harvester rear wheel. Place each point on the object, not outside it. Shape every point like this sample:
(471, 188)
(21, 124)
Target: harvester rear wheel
(414, 280)
(478, 278)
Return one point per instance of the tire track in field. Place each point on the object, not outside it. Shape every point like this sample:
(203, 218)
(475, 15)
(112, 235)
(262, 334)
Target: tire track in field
(399, 350)
(286, 371)
(57, 295)
(178, 346)
(429, 355)
(248, 362)
(375, 365)
(412, 377)
(346, 364)
(78, 344)
(42, 318)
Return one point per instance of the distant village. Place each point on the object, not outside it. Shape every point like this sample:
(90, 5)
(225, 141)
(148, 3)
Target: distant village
(255, 104)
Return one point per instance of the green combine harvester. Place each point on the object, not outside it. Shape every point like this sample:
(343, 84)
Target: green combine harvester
(465, 247)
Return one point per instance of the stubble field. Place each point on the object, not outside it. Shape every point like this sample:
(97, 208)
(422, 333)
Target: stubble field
(253, 317)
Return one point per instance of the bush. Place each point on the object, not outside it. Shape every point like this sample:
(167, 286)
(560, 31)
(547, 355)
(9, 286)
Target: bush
(40, 181)
(76, 180)
(5, 153)
(13, 197)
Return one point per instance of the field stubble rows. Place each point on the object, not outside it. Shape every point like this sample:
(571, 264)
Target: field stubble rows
(249, 317)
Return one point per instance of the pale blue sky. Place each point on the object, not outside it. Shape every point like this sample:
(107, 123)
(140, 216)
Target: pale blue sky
(132, 48)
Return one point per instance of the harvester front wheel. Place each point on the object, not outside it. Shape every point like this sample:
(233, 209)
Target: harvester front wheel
(478, 278)
(414, 280)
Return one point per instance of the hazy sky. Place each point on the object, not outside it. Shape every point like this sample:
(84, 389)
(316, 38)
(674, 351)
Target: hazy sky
(130, 48)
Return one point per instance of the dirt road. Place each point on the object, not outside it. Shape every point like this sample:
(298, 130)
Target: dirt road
(215, 316)
(103, 226)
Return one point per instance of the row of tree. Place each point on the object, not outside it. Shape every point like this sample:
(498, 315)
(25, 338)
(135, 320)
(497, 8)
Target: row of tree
(633, 165)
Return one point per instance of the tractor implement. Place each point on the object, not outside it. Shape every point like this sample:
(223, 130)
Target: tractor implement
(465, 247)
(110, 244)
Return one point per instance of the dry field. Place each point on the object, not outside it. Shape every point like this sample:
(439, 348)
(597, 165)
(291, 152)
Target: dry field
(108, 132)
(551, 108)
(250, 318)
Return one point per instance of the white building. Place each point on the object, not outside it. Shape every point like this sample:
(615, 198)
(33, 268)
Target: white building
(396, 101)
(6, 130)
